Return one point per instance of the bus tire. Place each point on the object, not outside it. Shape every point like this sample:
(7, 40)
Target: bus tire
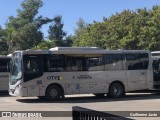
(100, 95)
(53, 93)
(116, 90)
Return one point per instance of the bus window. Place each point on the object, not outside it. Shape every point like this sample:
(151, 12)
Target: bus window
(33, 67)
(132, 62)
(137, 61)
(114, 62)
(74, 63)
(55, 63)
(4, 65)
(144, 61)
(96, 63)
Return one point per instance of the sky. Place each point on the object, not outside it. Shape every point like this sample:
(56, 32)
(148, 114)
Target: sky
(72, 10)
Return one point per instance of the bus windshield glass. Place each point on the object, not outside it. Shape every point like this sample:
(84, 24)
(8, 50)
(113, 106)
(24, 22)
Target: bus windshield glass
(16, 70)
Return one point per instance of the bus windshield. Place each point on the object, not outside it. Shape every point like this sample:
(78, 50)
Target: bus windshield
(16, 70)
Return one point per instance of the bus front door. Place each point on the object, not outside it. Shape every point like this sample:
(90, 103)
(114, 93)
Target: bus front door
(156, 73)
(33, 71)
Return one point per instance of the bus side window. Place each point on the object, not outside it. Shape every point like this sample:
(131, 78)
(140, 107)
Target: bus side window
(75, 63)
(96, 63)
(114, 62)
(33, 67)
(137, 61)
(4, 65)
(55, 63)
(85, 64)
(132, 61)
(144, 60)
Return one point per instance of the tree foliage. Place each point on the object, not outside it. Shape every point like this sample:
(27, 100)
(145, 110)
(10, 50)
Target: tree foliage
(3, 42)
(56, 32)
(23, 31)
(138, 29)
(45, 45)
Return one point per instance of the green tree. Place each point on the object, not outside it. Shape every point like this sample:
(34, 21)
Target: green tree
(56, 32)
(68, 41)
(80, 31)
(139, 29)
(3, 42)
(45, 45)
(89, 34)
(23, 31)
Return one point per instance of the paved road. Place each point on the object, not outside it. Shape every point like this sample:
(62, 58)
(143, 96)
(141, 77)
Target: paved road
(132, 102)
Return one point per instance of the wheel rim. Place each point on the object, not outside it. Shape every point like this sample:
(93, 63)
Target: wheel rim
(53, 93)
(117, 90)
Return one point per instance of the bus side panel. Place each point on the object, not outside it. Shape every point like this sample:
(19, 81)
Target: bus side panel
(30, 88)
(116, 75)
(93, 82)
(4, 81)
(137, 80)
(33, 90)
(83, 82)
(77, 82)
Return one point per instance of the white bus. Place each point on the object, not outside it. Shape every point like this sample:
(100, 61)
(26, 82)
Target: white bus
(60, 71)
(4, 73)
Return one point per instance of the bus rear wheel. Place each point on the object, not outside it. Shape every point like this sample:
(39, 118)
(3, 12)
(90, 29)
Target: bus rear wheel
(116, 90)
(53, 93)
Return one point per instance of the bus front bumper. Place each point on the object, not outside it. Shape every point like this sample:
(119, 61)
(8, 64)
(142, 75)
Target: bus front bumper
(17, 91)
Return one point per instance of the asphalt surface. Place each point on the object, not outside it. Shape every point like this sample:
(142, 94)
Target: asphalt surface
(130, 106)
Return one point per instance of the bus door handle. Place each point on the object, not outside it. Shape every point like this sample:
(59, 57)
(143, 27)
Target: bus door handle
(39, 82)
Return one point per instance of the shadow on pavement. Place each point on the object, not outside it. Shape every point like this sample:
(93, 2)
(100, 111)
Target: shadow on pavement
(90, 99)
(4, 94)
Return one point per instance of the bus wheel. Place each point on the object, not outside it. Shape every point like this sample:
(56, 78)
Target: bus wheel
(100, 95)
(116, 90)
(53, 93)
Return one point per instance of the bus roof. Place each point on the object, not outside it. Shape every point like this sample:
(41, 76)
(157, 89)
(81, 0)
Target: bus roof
(155, 53)
(4, 56)
(80, 50)
(74, 48)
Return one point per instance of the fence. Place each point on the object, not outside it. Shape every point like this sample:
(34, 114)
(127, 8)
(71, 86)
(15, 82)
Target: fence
(79, 113)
